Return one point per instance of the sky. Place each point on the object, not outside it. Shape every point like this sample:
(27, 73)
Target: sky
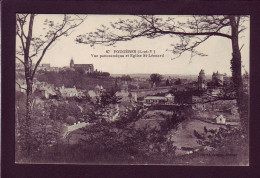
(218, 50)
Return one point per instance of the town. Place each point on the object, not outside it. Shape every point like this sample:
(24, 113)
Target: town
(66, 108)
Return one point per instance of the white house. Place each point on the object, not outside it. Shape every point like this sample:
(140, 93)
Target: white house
(221, 119)
(169, 97)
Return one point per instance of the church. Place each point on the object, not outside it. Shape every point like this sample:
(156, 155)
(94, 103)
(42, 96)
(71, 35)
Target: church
(87, 68)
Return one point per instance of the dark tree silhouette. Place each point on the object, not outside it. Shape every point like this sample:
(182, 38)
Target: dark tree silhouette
(156, 78)
(177, 82)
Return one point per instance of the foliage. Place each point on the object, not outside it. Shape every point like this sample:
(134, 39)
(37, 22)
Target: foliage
(132, 87)
(179, 115)
(126, 78)
(107, 98)
(99, 74)
(177, 82)
(70, 120)
(156, 78)
(225, 140)
(144, 85)
(77, 79)
(137, 145)
(62, 111)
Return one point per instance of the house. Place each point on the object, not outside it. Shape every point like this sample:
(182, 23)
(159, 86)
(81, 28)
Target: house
(99, 89)
(197, 103)
(155, 100)
(44, 67)
(169, 97)
(80, 93)
(214, 92)
(221, 119)
(94, 95)
(68, 92)
(44, 93)
(217, 78)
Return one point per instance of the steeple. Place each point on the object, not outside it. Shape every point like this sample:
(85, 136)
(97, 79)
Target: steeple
(71, 62)
(202, 71)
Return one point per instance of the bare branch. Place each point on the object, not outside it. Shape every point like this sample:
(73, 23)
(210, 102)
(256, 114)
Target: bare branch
(19, 60)
(20, 86)
(62, 31)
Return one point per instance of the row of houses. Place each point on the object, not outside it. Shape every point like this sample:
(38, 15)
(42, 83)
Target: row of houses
(46, 90)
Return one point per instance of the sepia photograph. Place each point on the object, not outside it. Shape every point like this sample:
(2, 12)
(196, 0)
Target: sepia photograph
(98, 89)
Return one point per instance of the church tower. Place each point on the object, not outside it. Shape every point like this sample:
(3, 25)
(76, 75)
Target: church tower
(71, 63)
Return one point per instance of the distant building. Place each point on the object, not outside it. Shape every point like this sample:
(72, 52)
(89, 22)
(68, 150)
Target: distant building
(127, 96)
(99, 89)
(80, 93)
(169, 97)
(44, 93)
(44, 67)
(87, 68)
(217, 79)
(155, 100)
(68, 92)
(221, 119)
(214, 92)
(202, 80)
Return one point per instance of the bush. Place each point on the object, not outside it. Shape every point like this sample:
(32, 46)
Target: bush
(70, 120)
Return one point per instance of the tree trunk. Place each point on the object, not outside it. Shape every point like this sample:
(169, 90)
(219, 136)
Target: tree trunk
(28, 117)
(236, 69)
(29, 83)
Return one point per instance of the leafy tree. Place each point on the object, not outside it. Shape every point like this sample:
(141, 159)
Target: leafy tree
(177, 82)
(70, 120)
(225, 140)
(32, 49)
(107, 98)
(126, 78)
(156, 78)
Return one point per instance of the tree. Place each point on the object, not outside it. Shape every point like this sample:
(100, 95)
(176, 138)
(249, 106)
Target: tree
(156, 78)
(167, 83)
(116, 85)
(188, 33)
(126, 78)
(109, 98)
(31, 49)
(177, 82)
